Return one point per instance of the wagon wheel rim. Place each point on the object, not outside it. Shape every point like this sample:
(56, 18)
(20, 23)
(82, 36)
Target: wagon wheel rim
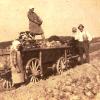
(34, 66)
(61, 64)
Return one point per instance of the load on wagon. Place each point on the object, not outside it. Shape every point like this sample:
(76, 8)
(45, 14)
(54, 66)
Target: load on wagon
(37, 57)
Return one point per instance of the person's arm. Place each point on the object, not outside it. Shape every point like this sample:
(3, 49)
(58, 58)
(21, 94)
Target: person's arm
(38, 19)
(33, 17)
(89, 36)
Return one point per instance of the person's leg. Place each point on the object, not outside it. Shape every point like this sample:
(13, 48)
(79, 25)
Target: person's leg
(32, 35)
(43, 37)
(86, 49)
(81, 55)
(81, 50)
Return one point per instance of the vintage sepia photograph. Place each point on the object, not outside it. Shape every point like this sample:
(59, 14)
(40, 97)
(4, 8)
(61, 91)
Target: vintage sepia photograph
(50, 50)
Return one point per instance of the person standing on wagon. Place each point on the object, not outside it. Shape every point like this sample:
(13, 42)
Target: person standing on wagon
(35, 24)
(84, 39)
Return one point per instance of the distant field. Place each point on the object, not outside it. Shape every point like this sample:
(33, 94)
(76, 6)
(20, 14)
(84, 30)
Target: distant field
(95, 40)
(95, 44)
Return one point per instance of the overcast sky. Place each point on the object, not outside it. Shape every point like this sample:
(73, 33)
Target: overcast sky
(59, 16)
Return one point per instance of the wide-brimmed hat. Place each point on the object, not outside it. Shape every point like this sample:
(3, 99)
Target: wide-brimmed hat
(80, 26)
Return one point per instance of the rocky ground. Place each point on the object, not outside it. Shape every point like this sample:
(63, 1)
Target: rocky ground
(79, 83)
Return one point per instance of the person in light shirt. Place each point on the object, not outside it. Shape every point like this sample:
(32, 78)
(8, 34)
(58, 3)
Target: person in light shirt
(84, 39)
(16, 63)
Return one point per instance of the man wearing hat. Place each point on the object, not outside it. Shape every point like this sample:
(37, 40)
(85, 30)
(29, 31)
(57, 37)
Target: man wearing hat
(84, 38)
(35, 23)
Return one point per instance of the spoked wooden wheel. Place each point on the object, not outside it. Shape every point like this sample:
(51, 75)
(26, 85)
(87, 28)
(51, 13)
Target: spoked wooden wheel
(61, 65)
(33, 66)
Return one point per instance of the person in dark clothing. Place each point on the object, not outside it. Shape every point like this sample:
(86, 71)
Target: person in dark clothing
(35, 23)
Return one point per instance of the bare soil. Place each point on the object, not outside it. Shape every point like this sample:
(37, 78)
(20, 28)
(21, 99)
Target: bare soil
(79, 83)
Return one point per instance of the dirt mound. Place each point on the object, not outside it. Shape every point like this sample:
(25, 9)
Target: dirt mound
(79, 83)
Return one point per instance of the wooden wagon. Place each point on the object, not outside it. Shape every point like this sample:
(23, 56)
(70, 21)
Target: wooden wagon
(37, 61)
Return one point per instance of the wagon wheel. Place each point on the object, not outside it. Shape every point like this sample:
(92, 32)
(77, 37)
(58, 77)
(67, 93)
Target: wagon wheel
(33, 66)
(61, 65)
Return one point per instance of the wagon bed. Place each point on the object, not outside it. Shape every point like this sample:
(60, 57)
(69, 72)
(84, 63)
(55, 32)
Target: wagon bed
(38, 59)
